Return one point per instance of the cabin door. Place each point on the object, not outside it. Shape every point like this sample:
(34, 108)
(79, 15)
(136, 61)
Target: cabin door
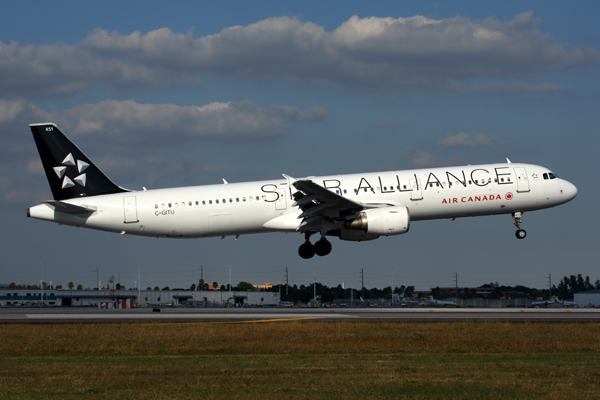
(522, 181)
(130, 207)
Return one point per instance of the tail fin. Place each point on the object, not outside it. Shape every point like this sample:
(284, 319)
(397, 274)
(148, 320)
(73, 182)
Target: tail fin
(70, 173)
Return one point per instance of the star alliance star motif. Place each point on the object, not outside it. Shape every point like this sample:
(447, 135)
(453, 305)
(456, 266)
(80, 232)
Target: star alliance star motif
(61, 170)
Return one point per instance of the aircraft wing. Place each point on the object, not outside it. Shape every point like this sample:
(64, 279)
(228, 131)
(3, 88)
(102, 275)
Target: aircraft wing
(317, 202)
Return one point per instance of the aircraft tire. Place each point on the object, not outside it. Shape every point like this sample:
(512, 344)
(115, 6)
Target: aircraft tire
(520, 234)
(322, 247)
(306, 250)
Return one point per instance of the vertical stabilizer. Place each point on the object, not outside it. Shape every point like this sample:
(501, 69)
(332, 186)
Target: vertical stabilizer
(70, 173)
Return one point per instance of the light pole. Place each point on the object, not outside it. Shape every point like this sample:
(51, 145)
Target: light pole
(42, 285)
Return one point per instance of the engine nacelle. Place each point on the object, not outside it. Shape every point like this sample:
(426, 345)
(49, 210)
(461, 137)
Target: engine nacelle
(384, 221)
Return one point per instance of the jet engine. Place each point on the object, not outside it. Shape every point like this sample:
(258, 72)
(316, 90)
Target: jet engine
(384, 221)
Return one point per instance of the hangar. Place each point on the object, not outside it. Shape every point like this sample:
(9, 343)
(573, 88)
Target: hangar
(12, 297)
(591, 298)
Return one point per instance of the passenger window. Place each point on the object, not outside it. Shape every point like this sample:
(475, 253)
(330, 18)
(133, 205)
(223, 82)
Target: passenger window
(230, 200)
(156, 206)
(197, 202)
(169, 205)
(163, 205)
(190, 203)
(243, 199)
(237, 199)
(203, 202)
(256, 198)
(210, 202)
(217, 201)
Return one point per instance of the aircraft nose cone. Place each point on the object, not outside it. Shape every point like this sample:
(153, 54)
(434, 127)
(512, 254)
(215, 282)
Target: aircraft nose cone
(570, 190)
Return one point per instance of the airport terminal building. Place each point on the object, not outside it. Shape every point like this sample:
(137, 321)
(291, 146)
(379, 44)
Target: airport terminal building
(13, 297)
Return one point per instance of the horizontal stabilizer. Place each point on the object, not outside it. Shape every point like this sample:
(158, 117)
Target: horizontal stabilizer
(59, 206)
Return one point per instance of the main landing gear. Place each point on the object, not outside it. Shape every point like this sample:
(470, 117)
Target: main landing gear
(520, 233)
(322, 247)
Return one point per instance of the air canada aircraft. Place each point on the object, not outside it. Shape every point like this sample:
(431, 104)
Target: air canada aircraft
(354, 207)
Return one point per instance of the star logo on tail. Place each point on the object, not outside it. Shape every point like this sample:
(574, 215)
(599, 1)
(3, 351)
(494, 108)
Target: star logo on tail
(61, 170)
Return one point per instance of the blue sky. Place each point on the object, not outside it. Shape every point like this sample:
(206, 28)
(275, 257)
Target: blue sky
(185, 93)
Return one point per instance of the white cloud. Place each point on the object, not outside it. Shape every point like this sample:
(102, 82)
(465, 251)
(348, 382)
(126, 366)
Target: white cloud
(463, 139)
(414, 157)
(365, 53)
(130, 121)
(369, 52)
(59, 69)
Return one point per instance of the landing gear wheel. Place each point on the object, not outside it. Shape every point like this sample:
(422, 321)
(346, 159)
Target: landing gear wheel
(520, 234)
(322, 247)
(306, 250)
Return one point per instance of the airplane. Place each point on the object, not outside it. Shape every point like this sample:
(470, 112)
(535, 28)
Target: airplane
(352, 207)
(431, 302)
(554, 302)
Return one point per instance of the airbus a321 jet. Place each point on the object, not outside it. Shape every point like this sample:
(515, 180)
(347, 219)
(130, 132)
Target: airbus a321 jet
(355, 207)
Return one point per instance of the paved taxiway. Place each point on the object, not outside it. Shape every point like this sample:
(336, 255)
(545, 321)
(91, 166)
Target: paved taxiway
(92, 315)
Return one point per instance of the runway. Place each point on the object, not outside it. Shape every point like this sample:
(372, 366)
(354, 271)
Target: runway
(240, 315)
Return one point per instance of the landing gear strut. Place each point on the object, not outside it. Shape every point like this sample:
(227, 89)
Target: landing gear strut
(520, 233)
(321, 248)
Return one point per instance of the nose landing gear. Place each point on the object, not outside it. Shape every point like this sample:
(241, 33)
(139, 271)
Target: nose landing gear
(520, 233)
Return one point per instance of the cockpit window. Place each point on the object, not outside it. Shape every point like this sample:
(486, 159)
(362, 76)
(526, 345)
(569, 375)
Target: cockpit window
(550, 175)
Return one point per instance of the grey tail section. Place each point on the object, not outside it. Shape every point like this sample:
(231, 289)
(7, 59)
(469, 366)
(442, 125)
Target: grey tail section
(70, 173)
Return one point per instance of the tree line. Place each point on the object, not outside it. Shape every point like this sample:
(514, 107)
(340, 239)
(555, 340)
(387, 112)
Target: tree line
(565, 289)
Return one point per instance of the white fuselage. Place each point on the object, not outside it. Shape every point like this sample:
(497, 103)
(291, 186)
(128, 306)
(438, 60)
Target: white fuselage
(267, 206)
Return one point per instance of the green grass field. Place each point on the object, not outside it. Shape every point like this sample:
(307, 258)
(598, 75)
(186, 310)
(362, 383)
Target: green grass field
(297, 360)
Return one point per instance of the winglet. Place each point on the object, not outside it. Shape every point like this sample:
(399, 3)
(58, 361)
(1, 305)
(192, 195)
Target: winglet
(225, 182)
(508, 161)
